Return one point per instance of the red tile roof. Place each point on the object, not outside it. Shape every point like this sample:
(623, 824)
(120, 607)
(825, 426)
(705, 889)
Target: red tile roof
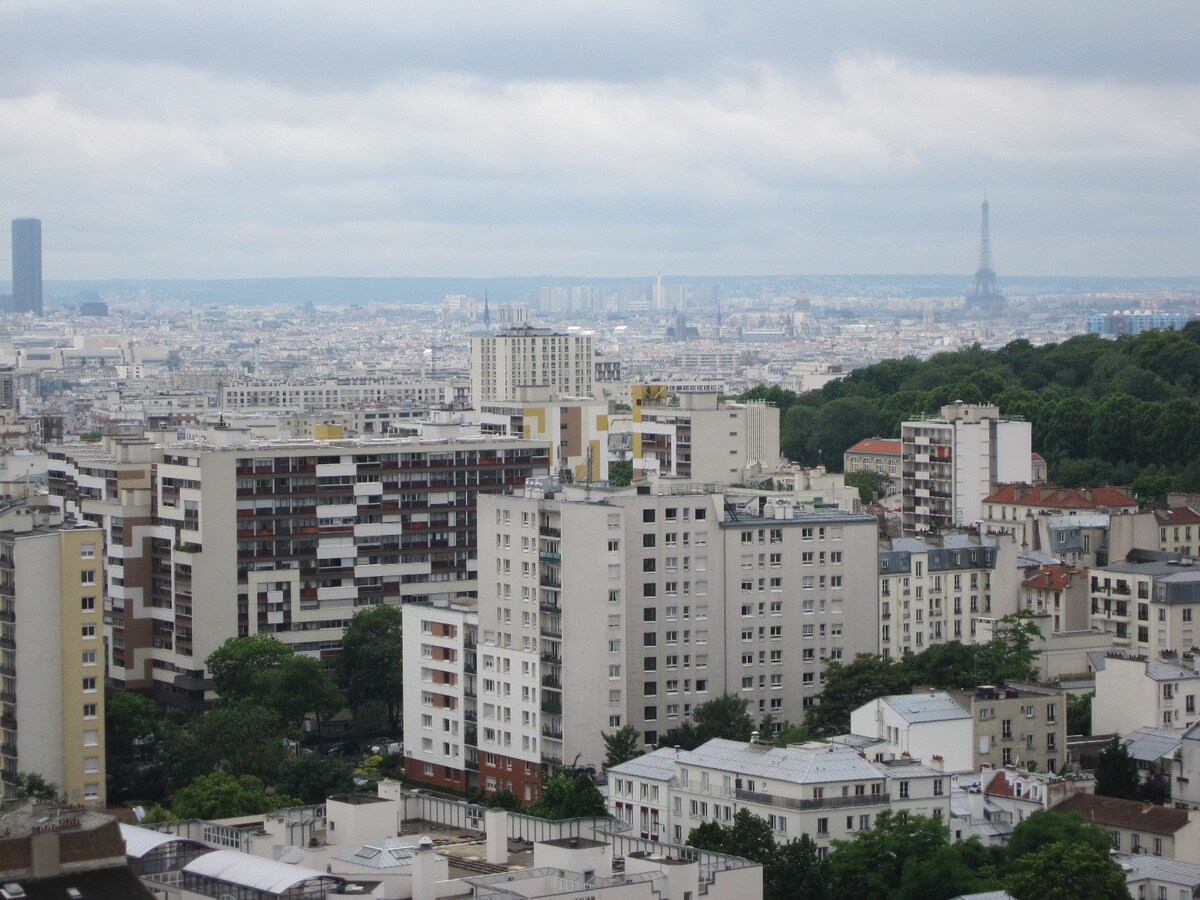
(1114, 813)
(1054, 578)
(1049, 496)
(1177, 515)
(877, 446)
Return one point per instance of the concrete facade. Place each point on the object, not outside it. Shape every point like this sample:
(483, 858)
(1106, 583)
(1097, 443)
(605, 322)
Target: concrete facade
(505, 362)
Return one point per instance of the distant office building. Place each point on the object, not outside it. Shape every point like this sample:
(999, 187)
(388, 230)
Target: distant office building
(503, 363)
(1118, 323)
(90, 304)
(27, 265)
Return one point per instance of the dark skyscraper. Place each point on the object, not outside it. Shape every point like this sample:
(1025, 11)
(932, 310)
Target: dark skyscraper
(27, 265)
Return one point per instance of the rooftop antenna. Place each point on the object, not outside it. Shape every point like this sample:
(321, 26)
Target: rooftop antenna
(587, 480)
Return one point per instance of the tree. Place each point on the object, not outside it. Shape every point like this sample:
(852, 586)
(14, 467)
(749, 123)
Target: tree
(708, 835)
(370, 664)
(1156, 788)
(503, 799)
(723, 717)
(871, 485)
(314, 777)
(569, 794)
(1045, 827)
(131, 724)
(303, 685)
(620, 472)
(1066, 871)
(31, 784)
(245, 667)
(220, 795)
(620, 746)
(684, 736)
(870, 866)
(1079, 713)
(1117, 772)
(796, 872)
(967, 867)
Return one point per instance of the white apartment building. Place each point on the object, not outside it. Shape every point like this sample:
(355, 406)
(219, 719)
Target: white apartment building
(440, 689)
(287, 538)
(823, 790)
(949, 464)
(576, 429)
(699, 436)
(919, 726)
(51, 652)
(504, 362)
(599, 609)
(1136, 691)
(934, 589)
(1147, 607)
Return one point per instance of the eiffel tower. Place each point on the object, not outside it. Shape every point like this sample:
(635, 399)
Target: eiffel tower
(985, 296)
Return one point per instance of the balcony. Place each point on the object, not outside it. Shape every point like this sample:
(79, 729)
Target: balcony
(823, 803)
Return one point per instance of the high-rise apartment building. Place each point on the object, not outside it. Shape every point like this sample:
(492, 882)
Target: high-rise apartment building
(504, 362)
(287, 538)
(27, 265)
(600, 609)
(51, 652)
(949, 464)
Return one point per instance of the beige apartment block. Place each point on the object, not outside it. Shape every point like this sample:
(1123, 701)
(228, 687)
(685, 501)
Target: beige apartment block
(1147, 607)
(51, 652)
(701, 437)
(1022, 725)
(934, 589)
(505, 362)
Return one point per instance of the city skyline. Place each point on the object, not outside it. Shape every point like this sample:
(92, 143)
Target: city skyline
(601, 139)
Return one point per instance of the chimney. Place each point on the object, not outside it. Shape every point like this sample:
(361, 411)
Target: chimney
(495, 826)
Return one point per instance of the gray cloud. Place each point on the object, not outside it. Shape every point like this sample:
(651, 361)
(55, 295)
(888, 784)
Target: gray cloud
(198, 139)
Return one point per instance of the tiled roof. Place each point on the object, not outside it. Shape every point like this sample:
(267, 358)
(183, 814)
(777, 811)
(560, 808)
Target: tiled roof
(1054, 578)
(877, 446)
(1051, 496)
(1177, 515)
(1116, 813)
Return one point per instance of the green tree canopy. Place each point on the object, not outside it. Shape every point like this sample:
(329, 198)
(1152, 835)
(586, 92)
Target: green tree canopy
(1066, 871)
(313, 777)
(1117, 772)
(620, 746)
(870, 866)
(370, 664)
(1079, 713)
(131, 722)
(620, 472)
(1045, 827)
(220, 795)
(568, 794)
(244, 667)
(31, 784)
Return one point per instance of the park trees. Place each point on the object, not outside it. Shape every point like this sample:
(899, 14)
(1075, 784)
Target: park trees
(369, 666)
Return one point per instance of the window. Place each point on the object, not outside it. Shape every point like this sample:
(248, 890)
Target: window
(89, 657)
(648, 516)
(91, 738)
(89, 684)
(823, 826)
(88, 632)
(903, 789)
(87, 576)
(87, 551)
(89, 710)
(87, 604)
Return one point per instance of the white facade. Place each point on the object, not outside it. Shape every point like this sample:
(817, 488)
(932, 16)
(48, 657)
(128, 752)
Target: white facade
(951, 463)
(822, 790)
(919, 726)
(1132, 692)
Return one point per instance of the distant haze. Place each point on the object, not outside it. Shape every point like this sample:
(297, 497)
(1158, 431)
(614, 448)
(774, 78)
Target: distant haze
(600, 137)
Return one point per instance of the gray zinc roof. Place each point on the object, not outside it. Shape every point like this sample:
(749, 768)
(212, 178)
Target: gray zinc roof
(937, 706)
(656, 766)
(798, 765)
(1152, 744)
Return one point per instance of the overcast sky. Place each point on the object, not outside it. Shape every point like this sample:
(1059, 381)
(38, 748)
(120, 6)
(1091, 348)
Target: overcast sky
(237, 139)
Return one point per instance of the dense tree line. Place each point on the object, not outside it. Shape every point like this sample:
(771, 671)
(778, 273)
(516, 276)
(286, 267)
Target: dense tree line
(1124, 411)
(909, 857)
(245, 753)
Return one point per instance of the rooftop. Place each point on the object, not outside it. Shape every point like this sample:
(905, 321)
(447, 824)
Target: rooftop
(1117, 813)
(797, 765)
(932, 706)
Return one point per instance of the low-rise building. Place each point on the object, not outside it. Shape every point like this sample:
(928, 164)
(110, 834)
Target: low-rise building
(1148, 607)
(1136, 691)
(918, 726)
(1138, 827)
(1018, 725)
